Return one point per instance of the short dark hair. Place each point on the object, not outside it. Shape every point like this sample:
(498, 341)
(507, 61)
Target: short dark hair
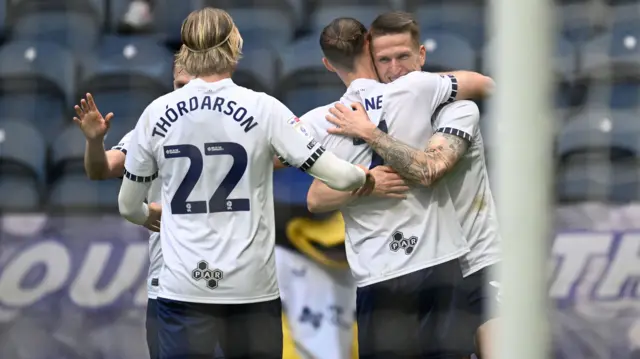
(342, 41)
(395, 22)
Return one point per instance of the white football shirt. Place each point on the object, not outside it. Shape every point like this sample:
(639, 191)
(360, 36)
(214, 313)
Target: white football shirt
(387, 238)
(468, 183)
(155, 251)
(212, 146)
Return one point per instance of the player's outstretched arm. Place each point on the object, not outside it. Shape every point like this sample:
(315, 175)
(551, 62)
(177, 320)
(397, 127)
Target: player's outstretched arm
(132, 207)
(340, 175)
(388, 184)
(321, 198)
(294, 145)
(98, 163)
(472, 85)
(418, 166)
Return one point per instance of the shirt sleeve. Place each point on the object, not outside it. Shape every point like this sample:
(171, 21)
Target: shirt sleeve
(140, 165)
(123, 144)
(460, 118)
(290, 139)
(436, 88)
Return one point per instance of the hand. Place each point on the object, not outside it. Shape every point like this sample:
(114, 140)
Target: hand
(350, 121)
(153, 221)
(369, 184)
(90, 120)
(389, 184)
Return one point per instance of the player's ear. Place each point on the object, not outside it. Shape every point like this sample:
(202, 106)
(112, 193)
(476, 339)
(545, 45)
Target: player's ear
(328, 65)
(423, 55)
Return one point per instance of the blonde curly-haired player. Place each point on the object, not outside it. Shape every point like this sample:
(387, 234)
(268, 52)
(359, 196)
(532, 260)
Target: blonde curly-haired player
(211, 144)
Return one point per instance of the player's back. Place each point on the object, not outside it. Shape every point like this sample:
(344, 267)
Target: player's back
(391, 237)
(215, 162)
(468, 184)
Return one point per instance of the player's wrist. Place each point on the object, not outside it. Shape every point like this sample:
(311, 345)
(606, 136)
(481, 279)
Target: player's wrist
(95, 140)
(369, 133)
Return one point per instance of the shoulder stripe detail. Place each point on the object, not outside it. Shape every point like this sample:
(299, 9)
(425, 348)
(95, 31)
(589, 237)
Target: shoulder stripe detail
(454, 89)
(120, 148)
(312, 159)
(135, 178)
(284, 162)
(455, 132)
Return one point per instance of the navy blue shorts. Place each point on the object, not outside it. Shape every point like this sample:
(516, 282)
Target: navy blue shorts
(412, 316)
(194, 330)
(152, 328)
(480, 294)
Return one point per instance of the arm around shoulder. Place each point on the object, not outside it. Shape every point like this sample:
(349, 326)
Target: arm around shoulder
(472, 85)
(131, 201)
(321, 198)
(337, 173)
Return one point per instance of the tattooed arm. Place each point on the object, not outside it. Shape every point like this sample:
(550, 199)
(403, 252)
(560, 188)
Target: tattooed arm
(422, 167)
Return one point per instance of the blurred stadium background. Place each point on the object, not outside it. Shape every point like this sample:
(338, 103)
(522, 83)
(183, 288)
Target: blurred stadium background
(72, 272)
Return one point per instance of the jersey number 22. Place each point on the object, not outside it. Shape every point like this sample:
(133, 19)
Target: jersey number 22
(220, 201)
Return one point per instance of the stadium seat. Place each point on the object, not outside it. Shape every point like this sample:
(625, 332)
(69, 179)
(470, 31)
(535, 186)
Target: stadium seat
(564, 64)
(364, 11)
(75, 31)
(167, 16)
(67, 149)
(301, 10)
(303, 99)
(614, 55)
(625, 182)
(36, 83)
(305, 82)
(272, 27)
(618, 96)
(581, 20)
(272, 21)
(257, 69)
(594, 177)
(447, 52)
(76, 192)
(22, 172)
(465, 20)
(3, 19)
(71, 189)
(304, 55)
(117, 9)
(128, 73)
(120, 126)
(624, 10)
(585, 180)
(67, 152)
(564, 61)
(96, 9)
(616, 134)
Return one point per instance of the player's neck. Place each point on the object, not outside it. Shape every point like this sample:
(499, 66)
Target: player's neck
(214, 78)
(363, 70)
(348, 78)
